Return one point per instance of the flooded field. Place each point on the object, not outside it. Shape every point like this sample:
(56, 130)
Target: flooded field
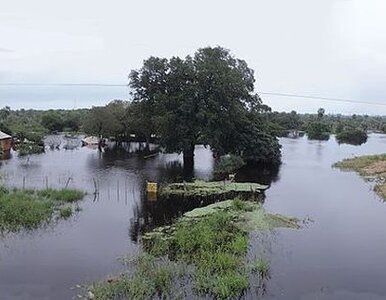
(339, 255)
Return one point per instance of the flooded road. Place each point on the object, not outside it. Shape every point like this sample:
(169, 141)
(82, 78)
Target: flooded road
(340, 255)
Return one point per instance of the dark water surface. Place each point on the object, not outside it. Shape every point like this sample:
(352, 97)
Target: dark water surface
(341, 255)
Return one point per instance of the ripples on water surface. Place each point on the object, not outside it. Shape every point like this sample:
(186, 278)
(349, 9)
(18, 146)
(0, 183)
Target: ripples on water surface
(338, 256)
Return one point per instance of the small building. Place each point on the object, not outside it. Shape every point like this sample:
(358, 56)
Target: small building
(5, 142)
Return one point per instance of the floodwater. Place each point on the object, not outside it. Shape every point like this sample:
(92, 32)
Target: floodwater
(339, 255)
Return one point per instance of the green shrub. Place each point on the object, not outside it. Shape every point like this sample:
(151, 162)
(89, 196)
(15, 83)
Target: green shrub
(352, 136)
(227, 165)
(317, 130)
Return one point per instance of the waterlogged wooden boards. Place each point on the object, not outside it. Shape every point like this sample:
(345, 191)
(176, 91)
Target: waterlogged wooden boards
(213, 188)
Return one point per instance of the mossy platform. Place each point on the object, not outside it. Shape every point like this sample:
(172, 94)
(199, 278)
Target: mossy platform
(218, 189)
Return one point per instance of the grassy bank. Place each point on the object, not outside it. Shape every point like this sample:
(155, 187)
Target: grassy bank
(202, 254)
(370, 167)
(30, 209)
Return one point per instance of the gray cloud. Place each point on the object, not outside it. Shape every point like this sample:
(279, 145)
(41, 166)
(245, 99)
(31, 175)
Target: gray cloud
(6, 50)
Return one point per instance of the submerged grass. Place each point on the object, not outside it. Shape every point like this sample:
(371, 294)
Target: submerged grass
(262, 267)
(209, 240)
(153, 277)
(65, 212)
(64, 195)
(369, 166)
(29, 209)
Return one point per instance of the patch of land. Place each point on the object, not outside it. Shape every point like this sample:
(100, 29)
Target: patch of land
(203, 254)
(29, 209)
(371, 167)
(219, 189)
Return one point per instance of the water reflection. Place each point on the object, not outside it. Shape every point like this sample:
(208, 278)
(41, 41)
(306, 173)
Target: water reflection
(348, 219)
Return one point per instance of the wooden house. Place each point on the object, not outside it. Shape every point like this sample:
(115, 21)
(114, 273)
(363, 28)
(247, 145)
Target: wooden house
(5, 142)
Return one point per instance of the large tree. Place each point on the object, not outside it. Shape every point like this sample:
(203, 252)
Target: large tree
(207, 98)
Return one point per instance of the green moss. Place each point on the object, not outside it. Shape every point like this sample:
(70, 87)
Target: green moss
(213, 188)
(246, 215)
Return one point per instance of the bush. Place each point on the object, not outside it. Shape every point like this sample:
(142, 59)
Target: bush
(226, 165)
(317, 130)
(352, 136)
(262, 148)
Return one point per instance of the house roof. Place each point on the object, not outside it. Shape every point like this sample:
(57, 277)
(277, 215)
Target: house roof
(4, 136)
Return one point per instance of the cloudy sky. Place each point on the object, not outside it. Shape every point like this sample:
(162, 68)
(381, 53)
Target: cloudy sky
(328, 48)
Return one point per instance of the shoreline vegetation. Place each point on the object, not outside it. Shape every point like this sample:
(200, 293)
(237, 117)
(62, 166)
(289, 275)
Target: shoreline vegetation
(370, 167)
(26, 209)
(202, 254)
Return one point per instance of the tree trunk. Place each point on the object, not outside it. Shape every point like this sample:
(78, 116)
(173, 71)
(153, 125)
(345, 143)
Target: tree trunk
(188, 156)
(147, 145)
(100, 141)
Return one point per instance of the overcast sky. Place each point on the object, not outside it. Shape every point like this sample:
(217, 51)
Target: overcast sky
(329, 48)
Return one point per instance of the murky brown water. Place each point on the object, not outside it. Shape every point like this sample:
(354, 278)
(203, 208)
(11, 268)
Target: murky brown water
(339, 256)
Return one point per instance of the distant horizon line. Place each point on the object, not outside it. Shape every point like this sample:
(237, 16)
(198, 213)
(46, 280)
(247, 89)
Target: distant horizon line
(271, 93)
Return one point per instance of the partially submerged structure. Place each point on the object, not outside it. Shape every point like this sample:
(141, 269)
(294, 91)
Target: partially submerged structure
(218, 190)
(5, 144)
(90, 140)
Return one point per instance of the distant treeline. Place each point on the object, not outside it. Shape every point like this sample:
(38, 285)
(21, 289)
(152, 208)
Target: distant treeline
(17, 122)
(282, 122)
(122, 119)
(207, 98)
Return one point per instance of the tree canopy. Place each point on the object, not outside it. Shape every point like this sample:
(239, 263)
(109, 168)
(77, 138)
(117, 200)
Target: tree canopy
(207, 98)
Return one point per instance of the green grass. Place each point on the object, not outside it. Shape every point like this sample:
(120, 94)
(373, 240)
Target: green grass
(262, 267)
(64, 195)
(359, 163)
(209, 241)
(65, 212)
(152, 277)
(213, 239)
(20, 209)
(239, 205)
(373, 166)
(30, 209)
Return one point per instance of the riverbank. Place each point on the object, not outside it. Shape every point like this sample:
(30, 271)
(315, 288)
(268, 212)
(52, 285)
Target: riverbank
(370, 167)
